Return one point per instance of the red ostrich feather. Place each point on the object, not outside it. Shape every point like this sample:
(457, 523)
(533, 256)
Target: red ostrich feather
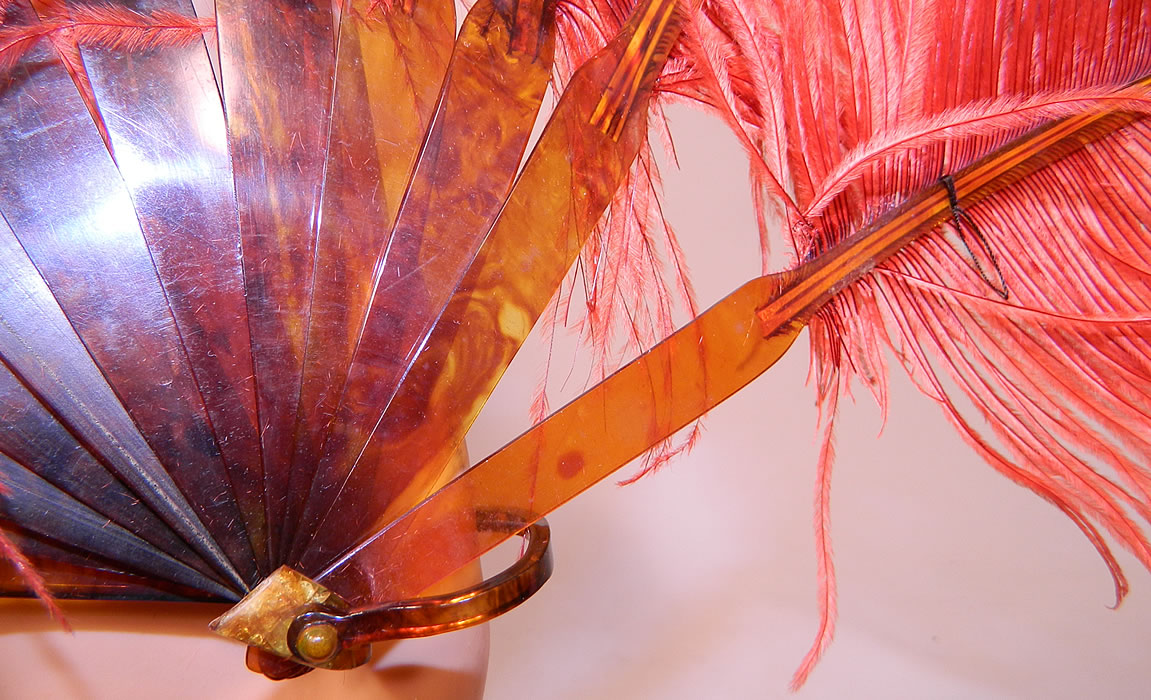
(1025, 317)
(846, 109)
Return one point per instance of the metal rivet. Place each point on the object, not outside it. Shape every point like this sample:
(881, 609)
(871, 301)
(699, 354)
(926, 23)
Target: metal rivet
(318, 642)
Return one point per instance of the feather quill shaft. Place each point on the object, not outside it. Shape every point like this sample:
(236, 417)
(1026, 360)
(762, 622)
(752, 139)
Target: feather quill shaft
(850, 113)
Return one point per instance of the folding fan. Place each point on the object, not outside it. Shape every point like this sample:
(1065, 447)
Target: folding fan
(201, 386)
(261, 270)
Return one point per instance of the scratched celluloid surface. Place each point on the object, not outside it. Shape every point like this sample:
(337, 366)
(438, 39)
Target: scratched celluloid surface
(276, 59)
(163, 116)
(493, 89)
(40, 508)
(33, 441)
(42, 351)
(566, 184)
(66, 204)
(389, 70)
(617, 420)
(72, 573)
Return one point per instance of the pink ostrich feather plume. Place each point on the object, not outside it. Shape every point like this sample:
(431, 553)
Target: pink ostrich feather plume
(847, 109)
(1035, 344)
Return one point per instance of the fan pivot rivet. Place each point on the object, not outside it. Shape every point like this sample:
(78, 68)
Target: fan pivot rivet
(318, 643)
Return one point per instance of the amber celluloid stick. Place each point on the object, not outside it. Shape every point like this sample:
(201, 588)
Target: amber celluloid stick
(492, 92)
(390, 65)
(679, 379)
(566, 184)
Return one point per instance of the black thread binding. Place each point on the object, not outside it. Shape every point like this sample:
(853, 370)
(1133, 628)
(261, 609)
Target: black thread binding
(960, 217)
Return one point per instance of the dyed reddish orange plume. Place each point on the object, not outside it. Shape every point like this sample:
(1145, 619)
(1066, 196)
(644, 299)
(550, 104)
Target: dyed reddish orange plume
(846, 110)
(962, 185)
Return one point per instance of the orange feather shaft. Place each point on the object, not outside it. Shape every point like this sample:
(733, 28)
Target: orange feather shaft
(857, 255)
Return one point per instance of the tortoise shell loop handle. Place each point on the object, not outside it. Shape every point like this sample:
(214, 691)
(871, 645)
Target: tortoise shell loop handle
(317, 637)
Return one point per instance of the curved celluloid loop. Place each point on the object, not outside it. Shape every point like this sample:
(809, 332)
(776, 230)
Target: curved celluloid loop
(422, 617)
(254, 291)
(294, 617)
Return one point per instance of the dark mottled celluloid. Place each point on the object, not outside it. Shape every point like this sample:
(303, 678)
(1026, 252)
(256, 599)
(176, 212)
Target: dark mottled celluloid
(387, 84)
(74, 219)
(502, 61)
(163, 116)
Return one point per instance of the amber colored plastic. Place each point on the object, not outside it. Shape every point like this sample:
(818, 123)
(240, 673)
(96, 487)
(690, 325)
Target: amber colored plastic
(389, 70)
(493, 89)
(559, 197)
(276, 60)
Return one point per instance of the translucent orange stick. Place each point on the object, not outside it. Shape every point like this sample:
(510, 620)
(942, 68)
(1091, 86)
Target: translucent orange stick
(467, 162)
(674, 383)
(568, 181)
(616, 421)
(390, 64)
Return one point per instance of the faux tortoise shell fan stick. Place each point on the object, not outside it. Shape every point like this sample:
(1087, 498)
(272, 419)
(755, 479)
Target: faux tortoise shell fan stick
(262, 271)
